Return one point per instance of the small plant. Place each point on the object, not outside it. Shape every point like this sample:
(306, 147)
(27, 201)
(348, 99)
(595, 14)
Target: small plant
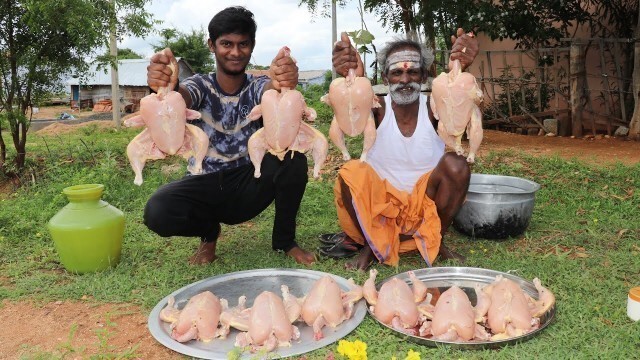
(512, 92)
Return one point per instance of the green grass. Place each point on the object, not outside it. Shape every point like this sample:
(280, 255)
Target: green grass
(582, 243)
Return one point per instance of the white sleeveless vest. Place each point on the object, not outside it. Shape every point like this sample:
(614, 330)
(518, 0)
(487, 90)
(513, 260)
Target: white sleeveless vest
(403, 160)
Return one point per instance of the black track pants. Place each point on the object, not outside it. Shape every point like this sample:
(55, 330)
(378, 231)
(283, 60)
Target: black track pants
(196, 205)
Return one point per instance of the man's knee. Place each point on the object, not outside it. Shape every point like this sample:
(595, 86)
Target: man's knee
(155, 216)
(457, 168)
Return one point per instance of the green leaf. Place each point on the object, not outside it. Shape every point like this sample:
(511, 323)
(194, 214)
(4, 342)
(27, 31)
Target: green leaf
(364, 50)
(361, 37)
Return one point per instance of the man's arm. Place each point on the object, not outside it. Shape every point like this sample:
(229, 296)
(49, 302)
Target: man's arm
(159, 74)
(283, 71)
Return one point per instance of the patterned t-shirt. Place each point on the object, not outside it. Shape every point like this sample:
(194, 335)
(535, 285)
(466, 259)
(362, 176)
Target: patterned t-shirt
(224, 118)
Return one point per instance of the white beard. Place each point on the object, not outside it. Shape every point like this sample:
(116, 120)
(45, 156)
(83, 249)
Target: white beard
(403, 98)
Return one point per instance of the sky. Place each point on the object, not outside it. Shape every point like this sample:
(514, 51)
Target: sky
(280, 23)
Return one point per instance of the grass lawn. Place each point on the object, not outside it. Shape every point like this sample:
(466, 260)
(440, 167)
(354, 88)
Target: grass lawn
(582, 243)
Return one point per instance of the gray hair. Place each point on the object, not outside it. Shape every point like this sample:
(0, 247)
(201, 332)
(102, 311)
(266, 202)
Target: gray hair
(426, 55)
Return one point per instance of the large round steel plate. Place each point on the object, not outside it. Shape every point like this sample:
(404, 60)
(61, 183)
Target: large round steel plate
(251, 283)
(442, 278)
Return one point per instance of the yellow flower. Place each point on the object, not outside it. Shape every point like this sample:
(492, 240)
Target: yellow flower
(412, 355)
(356, 350)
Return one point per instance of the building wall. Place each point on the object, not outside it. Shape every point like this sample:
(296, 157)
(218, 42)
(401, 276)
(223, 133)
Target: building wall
(89, 95)
(602, 80)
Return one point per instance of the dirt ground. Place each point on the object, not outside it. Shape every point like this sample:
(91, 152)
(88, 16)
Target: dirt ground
(54, 112)
(79, 329)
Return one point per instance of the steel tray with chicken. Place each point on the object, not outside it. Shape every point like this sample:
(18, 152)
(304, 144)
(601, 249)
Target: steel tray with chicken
(462, 307)
(258, 313)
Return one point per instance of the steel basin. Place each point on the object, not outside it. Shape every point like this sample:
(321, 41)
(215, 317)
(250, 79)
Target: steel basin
(497, 206)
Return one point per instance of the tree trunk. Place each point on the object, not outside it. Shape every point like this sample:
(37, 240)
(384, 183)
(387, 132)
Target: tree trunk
(634, 124)
(577, 85)
(3, 152)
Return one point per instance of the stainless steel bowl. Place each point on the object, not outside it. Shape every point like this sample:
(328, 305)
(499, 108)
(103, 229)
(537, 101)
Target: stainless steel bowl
(497, 206)
(442, 278)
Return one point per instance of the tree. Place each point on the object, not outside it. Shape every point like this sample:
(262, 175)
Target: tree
(126, 53)
(634, 125)
(190, 46)
(38, 49)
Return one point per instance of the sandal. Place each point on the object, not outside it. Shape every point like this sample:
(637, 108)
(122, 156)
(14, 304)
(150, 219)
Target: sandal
(338, 251)
(330, 238)
(337, 238)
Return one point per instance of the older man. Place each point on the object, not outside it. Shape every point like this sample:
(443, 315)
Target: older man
(405, 196)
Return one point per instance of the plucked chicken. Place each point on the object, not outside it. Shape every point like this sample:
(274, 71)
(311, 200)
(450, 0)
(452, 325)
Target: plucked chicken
(165, 116)
(454, 102)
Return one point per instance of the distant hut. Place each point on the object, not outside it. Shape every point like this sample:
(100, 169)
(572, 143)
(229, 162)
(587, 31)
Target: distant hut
(305, 77)
(132, 80)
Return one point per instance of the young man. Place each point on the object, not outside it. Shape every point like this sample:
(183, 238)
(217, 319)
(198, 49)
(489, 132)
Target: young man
(405, 196)
(227, 191)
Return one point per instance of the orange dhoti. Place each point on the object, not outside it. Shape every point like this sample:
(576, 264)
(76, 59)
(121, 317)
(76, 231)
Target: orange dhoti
(384, 212)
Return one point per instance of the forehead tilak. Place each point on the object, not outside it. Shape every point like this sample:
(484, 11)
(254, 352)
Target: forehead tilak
(409, 56)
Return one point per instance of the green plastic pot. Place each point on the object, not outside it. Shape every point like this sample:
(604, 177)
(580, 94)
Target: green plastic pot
(87, 232)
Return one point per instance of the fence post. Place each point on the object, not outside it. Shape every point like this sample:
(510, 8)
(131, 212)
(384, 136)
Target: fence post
(577, 83)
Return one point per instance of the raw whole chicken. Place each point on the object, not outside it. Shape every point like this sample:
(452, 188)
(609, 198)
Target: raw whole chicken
(453, 318)
(454, 101)
(351, 99)
(509, 314)
(327, 304)
(396, 304)
(198, 319)
(165, 115)
(268, 325)
(284, 130)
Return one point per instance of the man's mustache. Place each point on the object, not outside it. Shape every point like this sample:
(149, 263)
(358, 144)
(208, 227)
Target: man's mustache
(412, 85)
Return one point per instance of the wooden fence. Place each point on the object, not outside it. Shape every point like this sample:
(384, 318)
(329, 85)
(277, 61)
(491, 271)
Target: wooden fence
(585, 86)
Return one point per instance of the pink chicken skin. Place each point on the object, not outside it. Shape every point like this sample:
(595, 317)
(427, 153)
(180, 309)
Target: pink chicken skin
(509, 314)
(165, 116)
(454, 316)
(268, 325)
(454, 101)
(198, 320)
(352, 99)
(396, 304)
(282, 113)
(327, 304)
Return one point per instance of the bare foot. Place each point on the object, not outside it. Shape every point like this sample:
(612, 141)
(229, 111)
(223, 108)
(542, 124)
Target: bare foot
(205, 254)
(445, 254)
(302, 256)
(361, 262)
